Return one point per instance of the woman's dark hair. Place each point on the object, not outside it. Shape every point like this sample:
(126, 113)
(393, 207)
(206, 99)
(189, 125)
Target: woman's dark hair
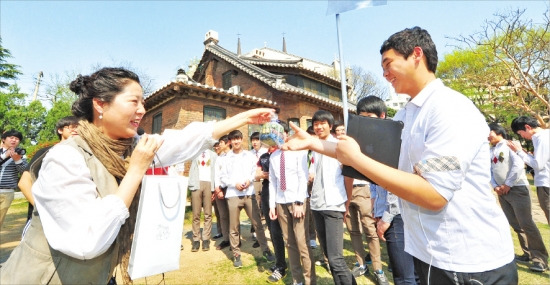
(104, 84)
(406, 40)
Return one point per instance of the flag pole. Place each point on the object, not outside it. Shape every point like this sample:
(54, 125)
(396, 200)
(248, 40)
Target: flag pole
(342, 73)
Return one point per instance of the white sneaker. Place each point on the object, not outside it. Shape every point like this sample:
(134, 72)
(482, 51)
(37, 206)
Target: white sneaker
(313, 243)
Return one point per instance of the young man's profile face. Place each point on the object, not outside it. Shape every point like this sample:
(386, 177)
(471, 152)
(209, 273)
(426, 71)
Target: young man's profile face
(398, 71)
(322, 129)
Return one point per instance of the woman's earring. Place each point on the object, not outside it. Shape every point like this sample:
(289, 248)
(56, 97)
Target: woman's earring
(100, 115)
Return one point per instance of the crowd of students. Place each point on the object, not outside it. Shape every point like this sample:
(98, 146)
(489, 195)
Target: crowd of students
(441, 222)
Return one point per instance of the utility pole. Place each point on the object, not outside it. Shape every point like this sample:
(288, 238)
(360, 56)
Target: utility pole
(40, 75)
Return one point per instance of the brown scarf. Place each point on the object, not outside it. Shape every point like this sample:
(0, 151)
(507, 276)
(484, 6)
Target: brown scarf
(114, 155)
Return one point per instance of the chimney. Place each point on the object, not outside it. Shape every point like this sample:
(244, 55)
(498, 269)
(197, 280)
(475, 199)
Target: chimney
(238, 45)
(284, 43)
(211, 37)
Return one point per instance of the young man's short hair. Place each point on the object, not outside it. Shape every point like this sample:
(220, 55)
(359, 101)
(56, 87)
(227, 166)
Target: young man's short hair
(224, 138)
(406, 40)
(235, 134)
(65, 121)
(336, 125)
(372, 104)
(323, 115)
(13, 133)
(518, 124)
(310, 130)
(255, 136)
(498, 129)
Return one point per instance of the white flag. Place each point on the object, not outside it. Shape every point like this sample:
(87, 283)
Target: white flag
(340, 6)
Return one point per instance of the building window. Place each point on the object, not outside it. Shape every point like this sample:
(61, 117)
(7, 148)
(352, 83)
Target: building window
(295, 121)
(157, 123)
(211, 113)
(227, 79)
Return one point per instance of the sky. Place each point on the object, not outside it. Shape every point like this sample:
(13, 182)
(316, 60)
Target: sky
(157, 38)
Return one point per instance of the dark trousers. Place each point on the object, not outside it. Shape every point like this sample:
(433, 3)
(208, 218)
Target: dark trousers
(516, 206)
(330, 232)
(543, 194)
(507, 274)
(275, 232)
(402, 263)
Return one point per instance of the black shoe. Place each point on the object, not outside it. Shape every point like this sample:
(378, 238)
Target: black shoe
(256, 244)
(217, 236)
(538, 267)
(205, 245)
(222, 245)
(276, 275)
(196, 245)
(269, 256)
(522, 258)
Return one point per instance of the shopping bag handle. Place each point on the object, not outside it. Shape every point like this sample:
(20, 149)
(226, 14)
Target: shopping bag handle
(164, 202)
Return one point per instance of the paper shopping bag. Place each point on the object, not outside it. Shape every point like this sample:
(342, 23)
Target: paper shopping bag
(159, 226)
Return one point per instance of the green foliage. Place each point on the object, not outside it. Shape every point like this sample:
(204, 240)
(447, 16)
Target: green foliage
(504, 69)
(59, 110)
(390, 112)
(12, 105)
(7, 70)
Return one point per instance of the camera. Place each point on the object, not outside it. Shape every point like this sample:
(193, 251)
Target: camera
(20, 151)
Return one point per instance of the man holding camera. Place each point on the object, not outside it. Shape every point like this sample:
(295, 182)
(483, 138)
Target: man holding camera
(12, 163)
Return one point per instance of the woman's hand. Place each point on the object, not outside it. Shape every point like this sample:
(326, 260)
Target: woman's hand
(144, 152)
(259, 115)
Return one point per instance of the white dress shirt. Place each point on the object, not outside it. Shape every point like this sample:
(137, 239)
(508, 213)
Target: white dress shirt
(238, 168)
(445, 141)
(540, 160)
(296, 176)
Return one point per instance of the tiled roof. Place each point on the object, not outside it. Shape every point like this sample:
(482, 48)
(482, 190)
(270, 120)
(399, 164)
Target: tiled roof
(273, 80)
(160, 95)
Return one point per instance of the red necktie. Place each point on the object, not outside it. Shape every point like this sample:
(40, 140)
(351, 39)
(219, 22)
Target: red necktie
(283, 178)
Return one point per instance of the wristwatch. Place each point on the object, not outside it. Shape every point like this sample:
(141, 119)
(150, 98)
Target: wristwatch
(298, 203)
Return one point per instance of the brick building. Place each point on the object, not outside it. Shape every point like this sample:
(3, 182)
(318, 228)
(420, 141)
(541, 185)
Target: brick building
(226, 83)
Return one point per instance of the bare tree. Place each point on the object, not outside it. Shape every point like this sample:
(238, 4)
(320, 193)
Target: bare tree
(365, 84)
(512, 68)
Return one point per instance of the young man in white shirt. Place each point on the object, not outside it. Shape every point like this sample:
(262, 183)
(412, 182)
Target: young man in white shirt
(453, 227)
(329, 202)
(201, 184)
(237, 174)
(224, 146)
(510, 183)
(288, 176)
(529, 129)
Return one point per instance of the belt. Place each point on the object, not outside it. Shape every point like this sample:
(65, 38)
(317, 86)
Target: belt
(359, 185)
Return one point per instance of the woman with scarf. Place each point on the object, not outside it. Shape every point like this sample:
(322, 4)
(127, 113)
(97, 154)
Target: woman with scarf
(88, 190)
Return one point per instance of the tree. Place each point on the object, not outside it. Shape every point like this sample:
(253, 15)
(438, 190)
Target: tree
(365, 84)
(7, 70)
(48, 133)
(504, 68)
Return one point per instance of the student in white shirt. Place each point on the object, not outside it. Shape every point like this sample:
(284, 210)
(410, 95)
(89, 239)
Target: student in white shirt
(453, 227)
(510, 183)
(288, 176)
(529, 129)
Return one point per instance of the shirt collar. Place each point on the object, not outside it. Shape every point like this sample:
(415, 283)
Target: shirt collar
(425, 93)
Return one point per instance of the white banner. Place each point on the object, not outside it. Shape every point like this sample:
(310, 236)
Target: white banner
(340, 6)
